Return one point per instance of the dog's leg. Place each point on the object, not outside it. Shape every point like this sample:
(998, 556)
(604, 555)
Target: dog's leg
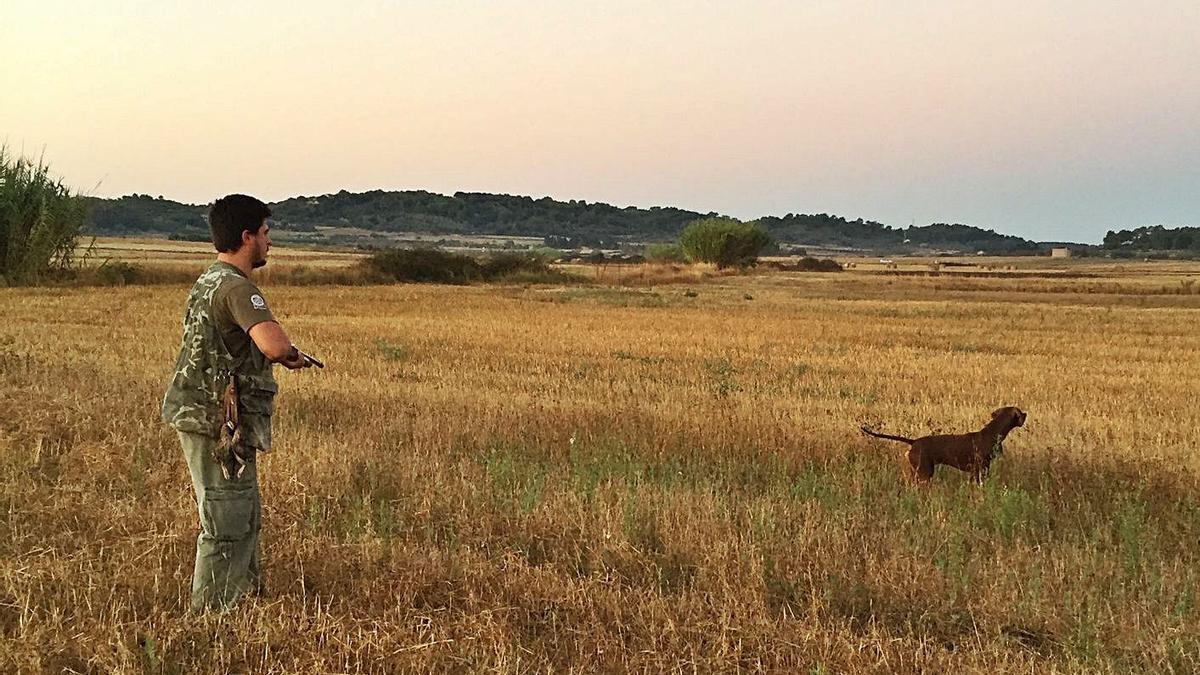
(981, 473)
(921, 464)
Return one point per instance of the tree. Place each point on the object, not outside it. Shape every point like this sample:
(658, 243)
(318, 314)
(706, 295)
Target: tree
(723, 241)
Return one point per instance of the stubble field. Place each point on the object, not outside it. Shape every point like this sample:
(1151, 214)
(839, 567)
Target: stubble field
(625, 478)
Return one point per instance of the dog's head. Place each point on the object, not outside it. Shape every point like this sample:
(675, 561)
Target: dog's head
(1011, 416)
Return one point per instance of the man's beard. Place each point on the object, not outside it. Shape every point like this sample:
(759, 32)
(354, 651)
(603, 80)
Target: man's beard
(259, 260)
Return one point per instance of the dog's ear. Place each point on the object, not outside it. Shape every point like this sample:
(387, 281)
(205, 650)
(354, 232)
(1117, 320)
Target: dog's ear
(999, 411)
(1016, 417)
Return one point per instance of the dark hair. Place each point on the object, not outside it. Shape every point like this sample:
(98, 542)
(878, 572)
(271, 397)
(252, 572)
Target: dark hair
(233, 214)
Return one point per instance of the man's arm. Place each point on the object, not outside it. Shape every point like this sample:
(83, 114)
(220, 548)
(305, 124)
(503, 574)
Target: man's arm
(244, 305)
(274, 343)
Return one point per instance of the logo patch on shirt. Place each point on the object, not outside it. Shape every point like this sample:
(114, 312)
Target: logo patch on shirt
(257, 301)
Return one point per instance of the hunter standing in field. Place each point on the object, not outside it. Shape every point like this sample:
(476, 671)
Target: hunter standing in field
(220, 400)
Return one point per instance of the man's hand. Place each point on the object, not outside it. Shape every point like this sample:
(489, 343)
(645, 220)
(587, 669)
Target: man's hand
(312, 360)
(295, 360)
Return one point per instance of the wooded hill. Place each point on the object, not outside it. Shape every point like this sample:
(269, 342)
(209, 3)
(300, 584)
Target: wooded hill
(564, 224)
(1154, 238)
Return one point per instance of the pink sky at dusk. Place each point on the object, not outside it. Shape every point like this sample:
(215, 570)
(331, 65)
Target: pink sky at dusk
(1050, 120)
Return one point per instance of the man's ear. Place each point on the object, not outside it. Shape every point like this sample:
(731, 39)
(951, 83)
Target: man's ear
(247, 239)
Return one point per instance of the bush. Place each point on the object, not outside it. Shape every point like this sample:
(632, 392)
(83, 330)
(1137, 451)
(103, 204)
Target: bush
(810, 264)
(665, 253)
(190, 235)
(424, 265)
(118, 273)
(40, 221)
(724, 241)
(435, 266)
(506, 264)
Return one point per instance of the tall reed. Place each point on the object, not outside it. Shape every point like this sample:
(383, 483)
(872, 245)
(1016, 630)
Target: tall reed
(40, 221)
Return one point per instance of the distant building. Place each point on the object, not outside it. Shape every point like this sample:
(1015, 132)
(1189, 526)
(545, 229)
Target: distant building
(1060, 252)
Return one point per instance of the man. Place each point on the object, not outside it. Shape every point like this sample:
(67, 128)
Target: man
(229, 335)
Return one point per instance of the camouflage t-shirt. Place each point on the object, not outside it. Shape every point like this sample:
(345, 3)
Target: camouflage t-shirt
(238, 306)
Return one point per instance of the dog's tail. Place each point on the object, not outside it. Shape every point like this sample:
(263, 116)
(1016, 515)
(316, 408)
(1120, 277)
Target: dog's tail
(902, 439)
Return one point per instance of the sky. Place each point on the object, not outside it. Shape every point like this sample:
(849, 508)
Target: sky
(1051, 120)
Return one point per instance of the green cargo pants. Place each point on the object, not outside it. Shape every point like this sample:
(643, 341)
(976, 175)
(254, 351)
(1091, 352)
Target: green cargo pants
(228, 562)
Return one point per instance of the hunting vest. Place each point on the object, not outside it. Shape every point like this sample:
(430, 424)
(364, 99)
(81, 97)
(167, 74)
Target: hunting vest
(203, 369)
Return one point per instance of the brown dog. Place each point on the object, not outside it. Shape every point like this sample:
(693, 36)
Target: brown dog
(971, 452)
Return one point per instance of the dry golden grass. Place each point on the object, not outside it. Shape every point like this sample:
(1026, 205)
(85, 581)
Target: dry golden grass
(582, 479)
